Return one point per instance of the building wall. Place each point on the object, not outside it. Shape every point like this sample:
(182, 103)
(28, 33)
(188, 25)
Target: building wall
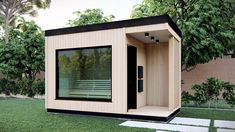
(223, 69)
(174, 73)
(157, 74)
(154, 57)
(141, 61)
(177, 74)
(116, 38)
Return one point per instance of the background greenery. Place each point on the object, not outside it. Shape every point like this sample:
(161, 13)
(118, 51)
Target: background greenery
(208, 26)
(22, 59)
(89, 16)
(208, 29)
(11, 9)
(212, 91)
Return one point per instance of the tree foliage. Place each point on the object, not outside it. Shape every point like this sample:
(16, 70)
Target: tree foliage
(11, 60)
(12, 9)
(1, 20)
(23, 57)
(32, 39)
(89, 16)
(208, 26)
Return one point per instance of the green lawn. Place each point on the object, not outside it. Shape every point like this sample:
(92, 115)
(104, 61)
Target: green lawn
(30, 115)
(208, 114)
(20, 115)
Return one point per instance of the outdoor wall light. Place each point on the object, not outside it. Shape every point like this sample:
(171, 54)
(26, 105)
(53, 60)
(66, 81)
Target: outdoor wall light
(152, 38)
(146, 34)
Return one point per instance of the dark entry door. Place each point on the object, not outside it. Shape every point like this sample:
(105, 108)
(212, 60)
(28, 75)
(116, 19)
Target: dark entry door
(131, 75)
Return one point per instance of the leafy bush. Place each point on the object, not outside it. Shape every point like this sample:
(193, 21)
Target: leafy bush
(7, 87)
(39, 86)
(21, 87)
(210, 91)
(186, 97)
(200, 95)
(212, 87)
(229, 93)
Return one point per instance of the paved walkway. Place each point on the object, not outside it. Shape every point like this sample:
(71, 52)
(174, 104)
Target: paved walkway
(184, 125)
(191, 121)
(162, 126)
(224, 124)
(224, 130)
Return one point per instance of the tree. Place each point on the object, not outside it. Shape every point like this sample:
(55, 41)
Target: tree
(11, 9)
(32, 40)
(11, 60)
(89, 16)
(207, 26)
(24, 54)
(1, 20)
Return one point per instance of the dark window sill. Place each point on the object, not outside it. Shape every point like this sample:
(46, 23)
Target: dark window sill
(83, 99)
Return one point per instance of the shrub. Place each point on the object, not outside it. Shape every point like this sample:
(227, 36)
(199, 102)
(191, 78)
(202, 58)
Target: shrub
(22, 86)
(186, 97)
(200, 95)
(7, 87)
(210, 91)
(212, 87)
(228, 93)
(39, 86)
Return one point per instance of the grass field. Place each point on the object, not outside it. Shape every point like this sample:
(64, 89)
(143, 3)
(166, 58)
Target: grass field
(29, 115)
(208, 114)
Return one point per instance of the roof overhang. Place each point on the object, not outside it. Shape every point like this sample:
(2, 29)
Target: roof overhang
(147, 21)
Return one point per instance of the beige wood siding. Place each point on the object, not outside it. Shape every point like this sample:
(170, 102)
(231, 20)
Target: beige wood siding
(177, 72)
(141, 61)
(174, 77)
(171, 73)
(116, 38)
(157, 74)
(173, 33)
(161, 64)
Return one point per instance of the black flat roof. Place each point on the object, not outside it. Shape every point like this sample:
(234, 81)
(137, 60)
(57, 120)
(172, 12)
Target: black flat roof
(116, 24)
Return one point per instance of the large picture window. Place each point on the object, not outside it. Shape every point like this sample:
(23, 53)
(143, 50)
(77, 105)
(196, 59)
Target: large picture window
(84, 73)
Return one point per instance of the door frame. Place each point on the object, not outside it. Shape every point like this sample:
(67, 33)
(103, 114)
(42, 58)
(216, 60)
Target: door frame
(131, 80)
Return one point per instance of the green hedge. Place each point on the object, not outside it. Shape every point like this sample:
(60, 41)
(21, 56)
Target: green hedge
(210, 90)
(8, 87)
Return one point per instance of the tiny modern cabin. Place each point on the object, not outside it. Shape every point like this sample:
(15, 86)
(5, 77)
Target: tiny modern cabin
(127, 68)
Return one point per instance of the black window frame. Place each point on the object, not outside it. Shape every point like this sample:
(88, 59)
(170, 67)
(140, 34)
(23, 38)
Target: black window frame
(57, 97)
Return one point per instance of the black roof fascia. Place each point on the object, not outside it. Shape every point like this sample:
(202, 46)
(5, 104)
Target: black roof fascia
(116, 24)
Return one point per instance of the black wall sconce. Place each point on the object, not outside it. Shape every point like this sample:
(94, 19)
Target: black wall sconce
(152, 38)
(146, 34)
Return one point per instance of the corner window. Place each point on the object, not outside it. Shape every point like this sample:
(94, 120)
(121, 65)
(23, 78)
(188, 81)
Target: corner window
(84, 73)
